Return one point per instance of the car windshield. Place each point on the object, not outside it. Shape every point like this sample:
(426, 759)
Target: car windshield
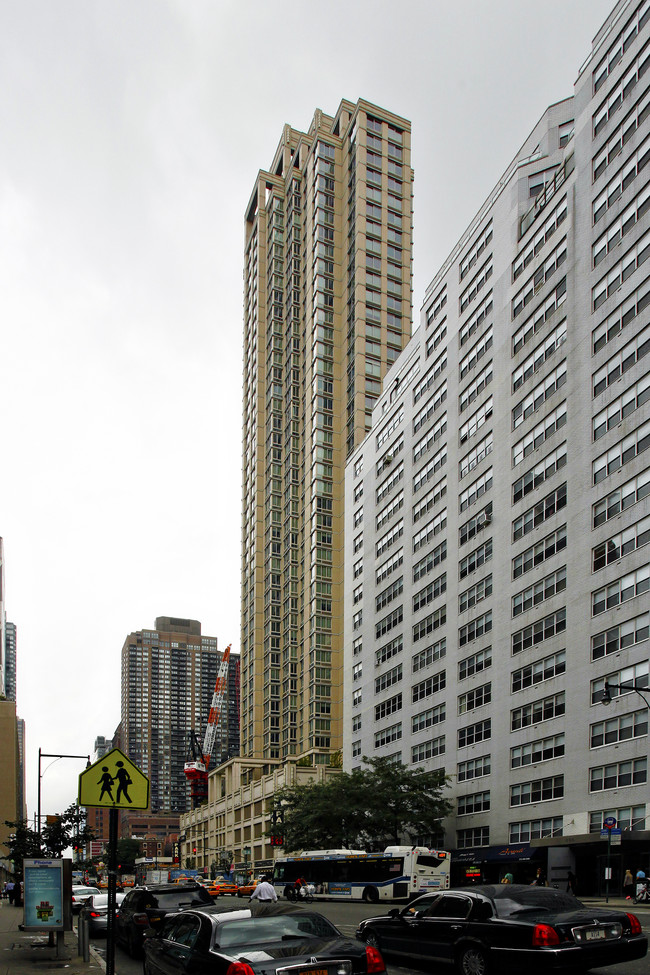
(536, 901)
(173, 899)
(265, 929)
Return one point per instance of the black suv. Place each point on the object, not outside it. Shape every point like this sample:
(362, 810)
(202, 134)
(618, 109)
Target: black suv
(145, 907)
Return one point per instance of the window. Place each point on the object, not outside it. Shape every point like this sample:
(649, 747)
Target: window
(620, 91)
(481, 731)
(479, 315)
(469, 394)
(542, 432)
(621, 453)
(535, 829)
(475, 663)
(387, 735)
(475, 698)
(475, 250)
(428, 749)
(538, 671)
(621, 590)
(475, 490)
(429, 531)
(475, 836)
(435, 589)
(539, 395)
(544, 709)
(388, 650)
(426, 688)
(539, 591)
(431, 498)
(539, 356)
(540, 512)
(539, 316)
(433, 466)
(616, 321)
(475, 456)
(623, 406)
(429, 718)
(620, 226)
(475, 559)
(386, 624)
(620, 728)
(476, 285)
(476, 628)
(541, 275)
(621, 544)
(390, 593)
(622, 361)
(538, 790)
(626, 676)
(473, 803)
(473, 768)
(424, 658)
(430, 623)
(627, 817)
(391, 677)
(476, 420)
(389, 566)
(541, 750)
(621, 271)
(475, 594)
(543, 234)
(618, 775)
(476, 353)
(541, 472)
(540, 552)
(626, 634)
(429, 408)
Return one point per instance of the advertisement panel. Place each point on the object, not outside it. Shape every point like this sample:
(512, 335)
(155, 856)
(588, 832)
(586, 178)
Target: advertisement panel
(43, 895)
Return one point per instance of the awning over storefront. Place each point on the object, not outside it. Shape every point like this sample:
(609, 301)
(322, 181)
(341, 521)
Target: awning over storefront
(495, 854)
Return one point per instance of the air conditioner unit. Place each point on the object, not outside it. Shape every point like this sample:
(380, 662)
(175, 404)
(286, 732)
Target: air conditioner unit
(388, 459)
(483, 519)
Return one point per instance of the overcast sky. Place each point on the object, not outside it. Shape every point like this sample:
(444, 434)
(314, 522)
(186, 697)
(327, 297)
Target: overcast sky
(132, 132)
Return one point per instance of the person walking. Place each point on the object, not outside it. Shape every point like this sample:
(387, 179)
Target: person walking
(264, 892)
(11, 891)
(571, 882)
(628, 885)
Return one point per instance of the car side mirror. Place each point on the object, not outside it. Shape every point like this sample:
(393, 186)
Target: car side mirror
(394, 912)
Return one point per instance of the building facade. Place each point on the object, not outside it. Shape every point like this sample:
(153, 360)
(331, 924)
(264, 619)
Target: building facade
(498, 513)
(327, 309)
(168, 679)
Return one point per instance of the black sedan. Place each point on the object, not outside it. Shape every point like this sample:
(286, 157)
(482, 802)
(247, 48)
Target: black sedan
(261, 940)
(95, 911)
(507, 928)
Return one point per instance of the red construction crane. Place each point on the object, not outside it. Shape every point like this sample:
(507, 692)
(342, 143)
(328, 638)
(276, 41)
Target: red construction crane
(196, 769)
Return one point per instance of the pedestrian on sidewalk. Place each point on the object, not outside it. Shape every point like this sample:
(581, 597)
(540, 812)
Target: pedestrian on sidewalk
(11, 891)
(628, 885)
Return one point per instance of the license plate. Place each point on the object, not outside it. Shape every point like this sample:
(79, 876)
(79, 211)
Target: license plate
(606, 932)
(314, 971)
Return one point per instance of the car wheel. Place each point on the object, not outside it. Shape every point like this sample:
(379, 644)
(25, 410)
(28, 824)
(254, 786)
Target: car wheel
(371, 895)
(372, 940)
(472, 960)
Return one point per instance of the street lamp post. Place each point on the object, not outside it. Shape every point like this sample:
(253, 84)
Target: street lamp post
(247, 853)
(629, 686)
(42, 755)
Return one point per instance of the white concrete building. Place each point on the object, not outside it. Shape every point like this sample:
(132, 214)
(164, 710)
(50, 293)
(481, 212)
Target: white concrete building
(497, 514)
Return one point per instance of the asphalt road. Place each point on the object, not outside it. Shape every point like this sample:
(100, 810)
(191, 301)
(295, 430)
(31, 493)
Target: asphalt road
(347, 916)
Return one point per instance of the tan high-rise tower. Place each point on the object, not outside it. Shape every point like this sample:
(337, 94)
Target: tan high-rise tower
(327, 309)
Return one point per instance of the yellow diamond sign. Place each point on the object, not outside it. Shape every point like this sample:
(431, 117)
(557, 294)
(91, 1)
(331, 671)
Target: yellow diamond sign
(114, 782)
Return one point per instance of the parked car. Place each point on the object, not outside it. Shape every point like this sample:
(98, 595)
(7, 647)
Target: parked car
(95, 911)
(252, 941)
(80, 894)
(143, 906)
(506, 927)
(223, 887)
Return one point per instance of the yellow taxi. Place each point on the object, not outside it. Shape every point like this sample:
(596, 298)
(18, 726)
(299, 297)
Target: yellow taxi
(245, 890)
(222, 887)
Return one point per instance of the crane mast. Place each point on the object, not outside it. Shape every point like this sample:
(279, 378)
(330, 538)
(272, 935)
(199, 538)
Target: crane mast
(196, 769)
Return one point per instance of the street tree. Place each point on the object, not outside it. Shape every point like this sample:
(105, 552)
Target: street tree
(22, 844)
(372, 807)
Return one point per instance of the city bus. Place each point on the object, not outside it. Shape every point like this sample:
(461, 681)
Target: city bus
(397, 874)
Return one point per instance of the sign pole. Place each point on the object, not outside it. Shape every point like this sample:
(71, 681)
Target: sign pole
(112, 884)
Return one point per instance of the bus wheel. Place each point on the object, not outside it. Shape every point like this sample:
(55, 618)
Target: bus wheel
(371, 895)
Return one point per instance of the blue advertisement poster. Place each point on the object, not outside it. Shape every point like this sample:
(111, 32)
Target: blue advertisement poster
(43, 895)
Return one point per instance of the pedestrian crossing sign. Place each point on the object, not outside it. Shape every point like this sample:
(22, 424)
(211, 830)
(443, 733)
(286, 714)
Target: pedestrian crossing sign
(114, 782)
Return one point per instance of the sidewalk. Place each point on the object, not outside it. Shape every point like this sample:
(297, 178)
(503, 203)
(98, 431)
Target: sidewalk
(27, 952)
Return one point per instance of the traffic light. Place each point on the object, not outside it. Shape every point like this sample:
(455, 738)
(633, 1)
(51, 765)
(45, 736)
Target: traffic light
(277, 839)
(194, 850)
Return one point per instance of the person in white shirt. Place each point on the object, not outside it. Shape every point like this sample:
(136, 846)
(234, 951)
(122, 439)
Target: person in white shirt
(264, 892)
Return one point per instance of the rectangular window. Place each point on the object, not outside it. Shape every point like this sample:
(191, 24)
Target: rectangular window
(437, 682)
(539, 317)
(473, 768)
(540, 591)
(475, 663)
(475, 698)
(623, 543)
(540, 512)
(424, 658)
(532, 479)
(538, 553)
(623, 635)
(620, 318)
(475, 594)
(541, 750)
(620, 728)
(476, 628)
(618, 775)
(621, 453)
(621, 590)
(479, 315)
(389, 650)
(428, 749)
(475, 836)
(469, 394)
(535, 829)
(538, 790)
(538, 671)
(544, 709)
(473, 803)
(542, 432)
(481, 731)
(430, 623)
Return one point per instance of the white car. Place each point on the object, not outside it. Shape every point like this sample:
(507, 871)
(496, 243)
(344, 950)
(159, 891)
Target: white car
(80, 895)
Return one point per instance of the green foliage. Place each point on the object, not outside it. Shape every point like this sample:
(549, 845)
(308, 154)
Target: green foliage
(66, 829)
(22, 844)
(369, 808)
(128, 850)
